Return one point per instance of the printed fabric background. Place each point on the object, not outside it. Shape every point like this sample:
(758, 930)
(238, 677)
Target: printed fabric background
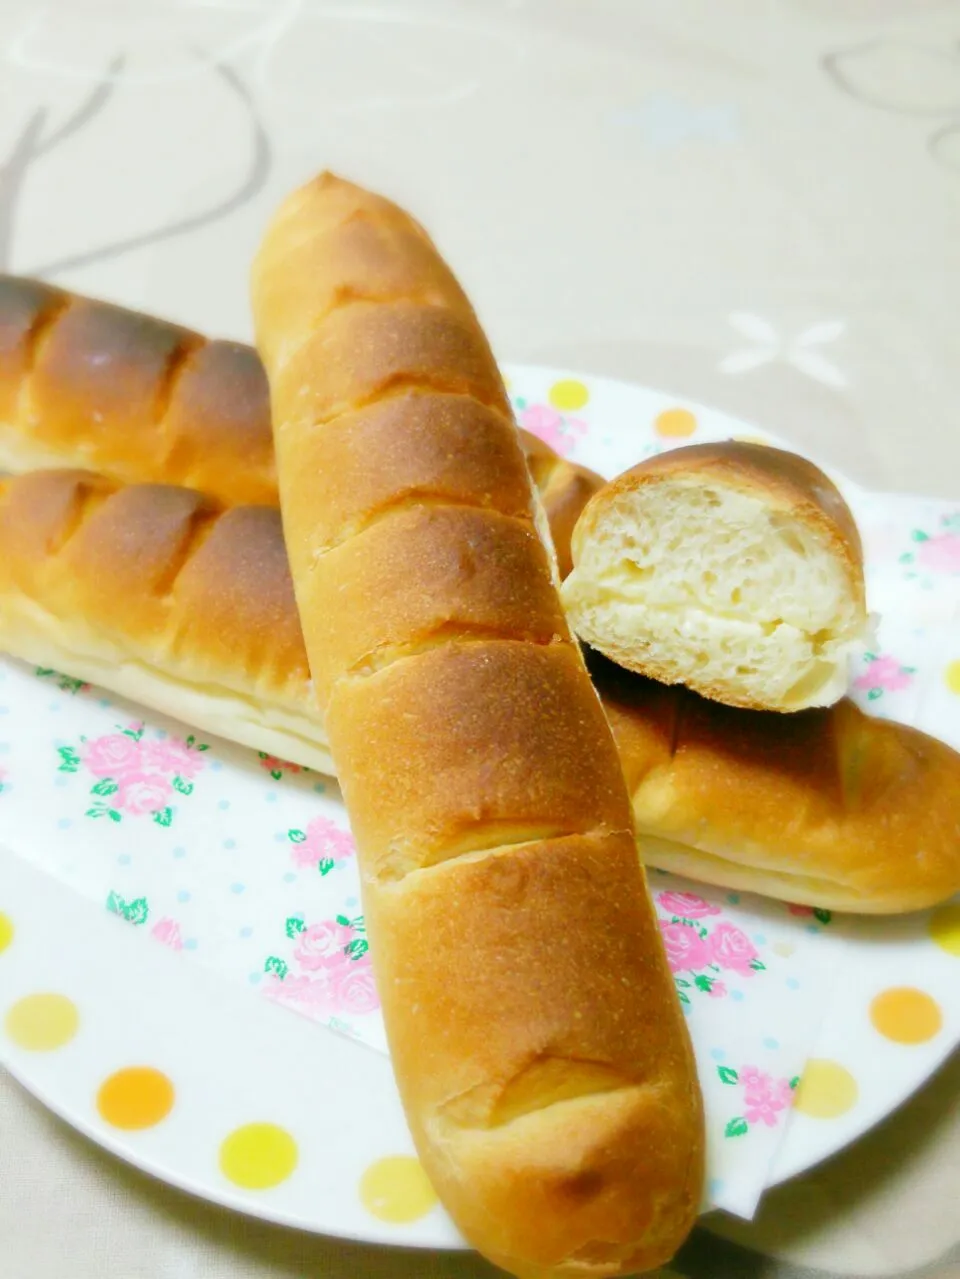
(750, 205)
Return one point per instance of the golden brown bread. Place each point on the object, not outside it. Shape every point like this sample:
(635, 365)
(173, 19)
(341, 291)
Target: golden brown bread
(90, 385)
(205, 627)
(733, 568)
(477, 767)
(87, 384)
(870, 806)
(823, 808)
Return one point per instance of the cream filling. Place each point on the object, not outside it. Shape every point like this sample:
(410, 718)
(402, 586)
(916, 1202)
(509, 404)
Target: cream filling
(711, 868)
(36, 636)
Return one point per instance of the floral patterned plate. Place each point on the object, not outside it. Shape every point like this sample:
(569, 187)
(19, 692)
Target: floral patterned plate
(184, 971)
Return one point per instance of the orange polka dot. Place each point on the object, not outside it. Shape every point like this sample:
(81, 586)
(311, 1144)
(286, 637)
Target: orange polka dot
(952, 677)
(136, 1097)
(397, 1189)
(675, 423)
(6, 931)
(826, 1089)
(568, 395)
(905, 1015)
(258, 1156)
(42, 1022)
(944, 928)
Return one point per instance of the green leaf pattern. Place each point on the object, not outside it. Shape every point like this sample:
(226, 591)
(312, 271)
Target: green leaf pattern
(136, 911)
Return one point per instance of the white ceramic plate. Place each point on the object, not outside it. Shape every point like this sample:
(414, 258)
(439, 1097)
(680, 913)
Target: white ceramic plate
(170, 1056)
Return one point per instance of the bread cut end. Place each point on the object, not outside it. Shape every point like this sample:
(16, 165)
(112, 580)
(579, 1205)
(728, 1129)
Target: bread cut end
(698, 581)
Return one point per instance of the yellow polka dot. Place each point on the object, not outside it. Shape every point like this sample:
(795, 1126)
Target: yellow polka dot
(397, 1189)
(944, 928)
(783, 948)
(258, 1156)
(568, 395)
(952, 676)
(675, 423)
(905, 1015)
(6, 931)
(42, 1022)
(751, 439)
(826, 1089)
(506, 381)
(136, 1097)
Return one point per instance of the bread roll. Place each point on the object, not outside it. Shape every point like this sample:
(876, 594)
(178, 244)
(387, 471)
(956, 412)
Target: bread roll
(734, 569)
(89, 385)
(150, 592)
(539, 1049)
(829, 807)
(869, 802)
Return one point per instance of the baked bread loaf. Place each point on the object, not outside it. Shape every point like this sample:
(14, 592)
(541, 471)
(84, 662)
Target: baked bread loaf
(734, 569)
(90, 385)
(869, 802)
(151, 592)
(539, 1049)
(828, 807)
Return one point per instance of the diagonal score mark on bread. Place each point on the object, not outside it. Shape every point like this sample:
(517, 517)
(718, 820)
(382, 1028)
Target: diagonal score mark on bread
(204, 420)
(229, 659)
(92, 385)
(480, 774)
(547, 1080)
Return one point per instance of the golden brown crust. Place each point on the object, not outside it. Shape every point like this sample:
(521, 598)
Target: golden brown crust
(479, 465)
(870, 821)
(488, 1067)
(217, 427)
(823, 808)
(368, 350)
(26, 306)
(496, 753)
(420, 574)
(87, 384)
(211, 426)
(461, 740)
(564, 488)
(233, 608)
(159, 575)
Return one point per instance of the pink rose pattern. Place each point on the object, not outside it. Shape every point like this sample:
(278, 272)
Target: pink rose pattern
(136, 911)
(550, 426)
(135, 777)
(731, 948)
(323, 845)
(687, 905)
(333, 970)
(813, 912)
(702, 951)
(277, 768)
(765, 1099)
(883, 674)
(66, 683)
(936, 552)
(167, 933)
